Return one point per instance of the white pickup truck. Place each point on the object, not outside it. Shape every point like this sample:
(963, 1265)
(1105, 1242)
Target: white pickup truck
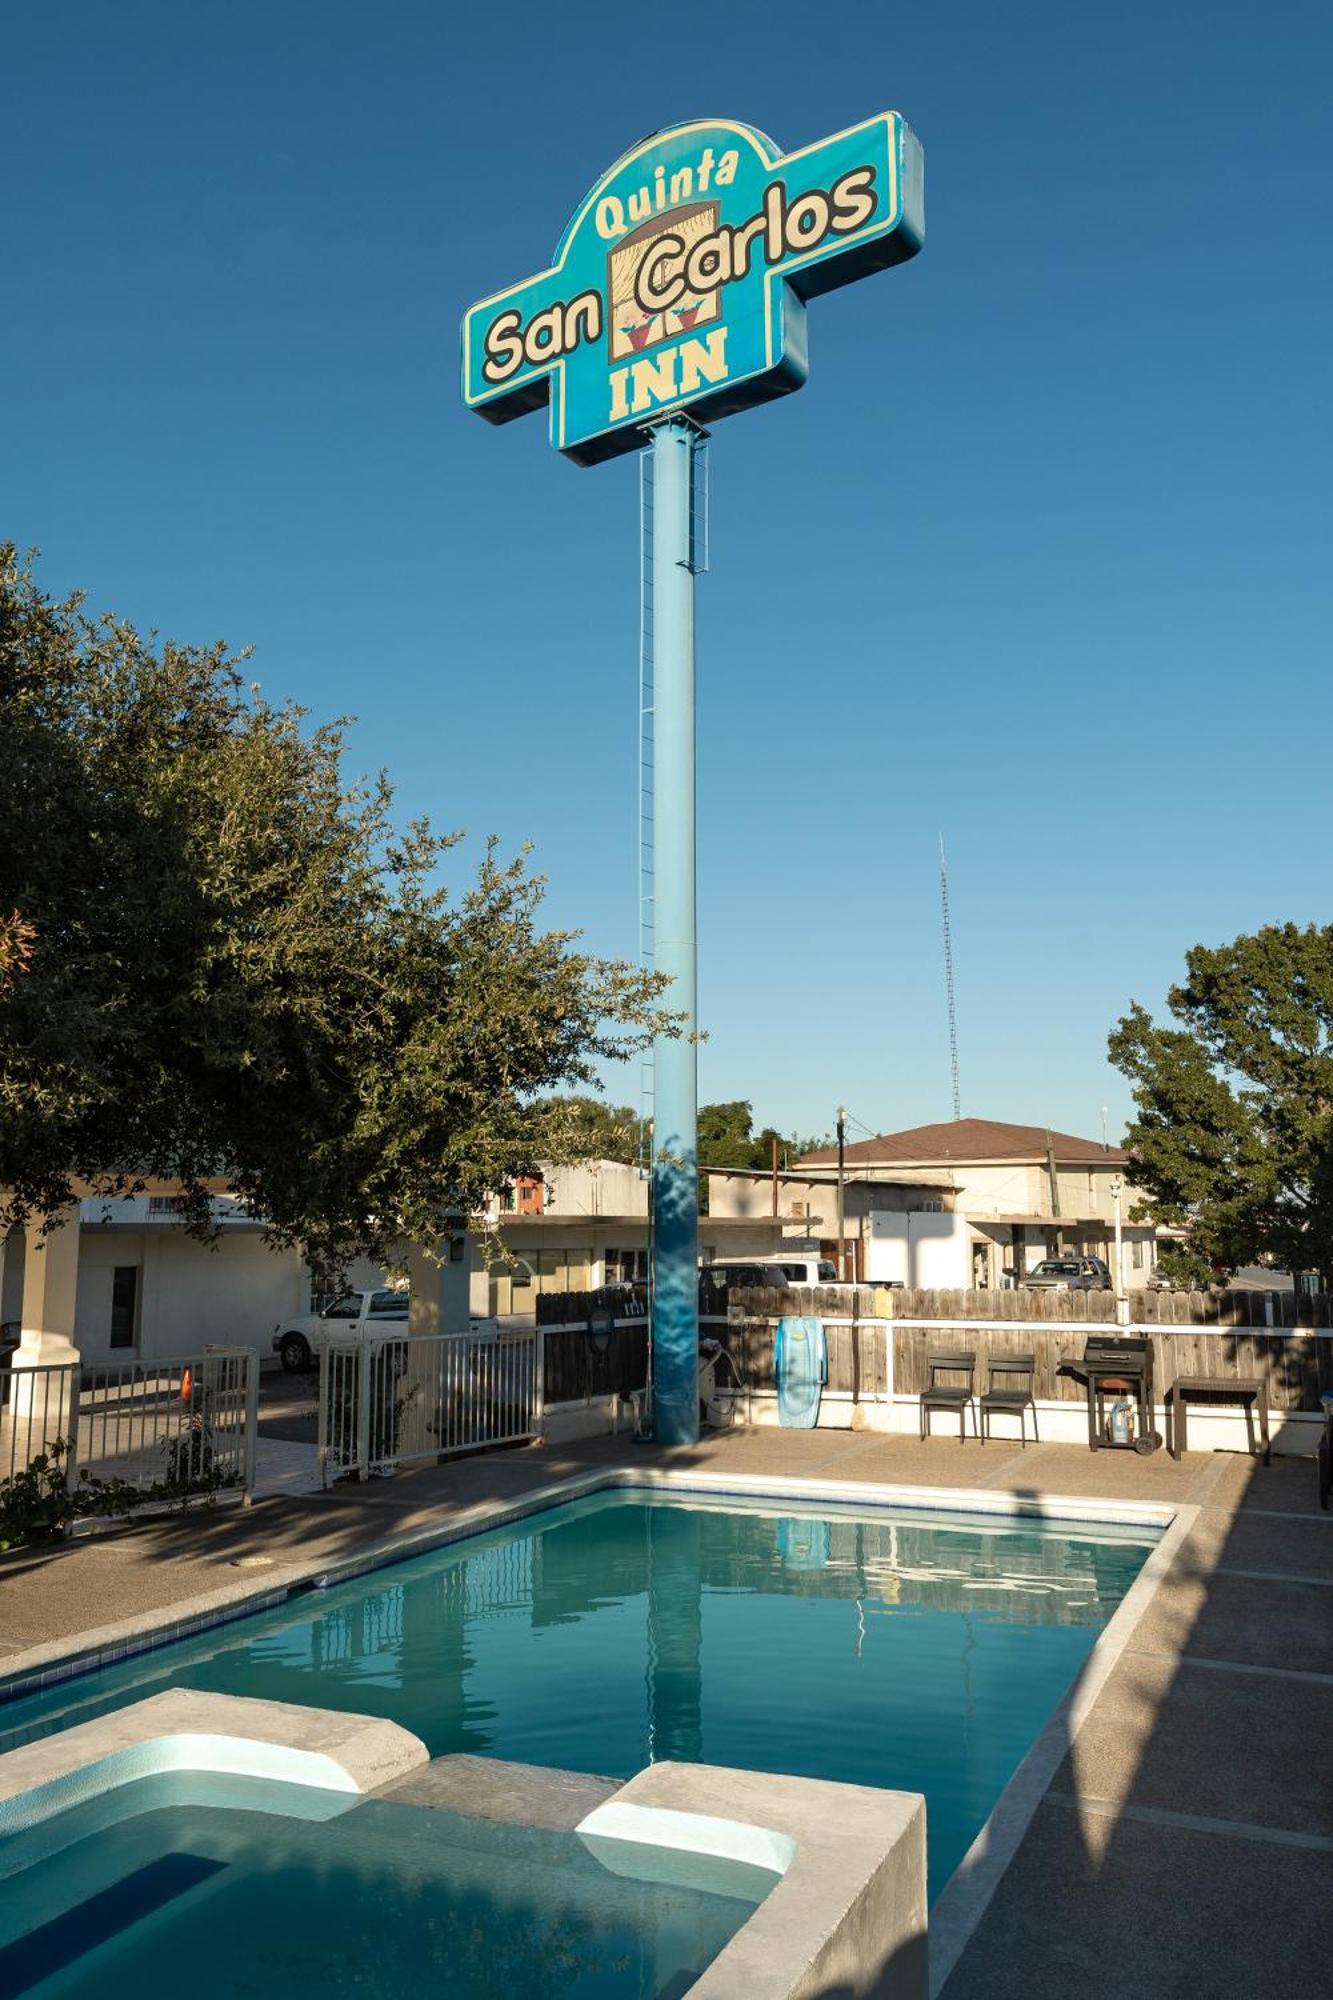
(294, 1339)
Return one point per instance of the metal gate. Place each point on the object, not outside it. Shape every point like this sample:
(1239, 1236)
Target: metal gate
(170, 1428)
(388, 1399)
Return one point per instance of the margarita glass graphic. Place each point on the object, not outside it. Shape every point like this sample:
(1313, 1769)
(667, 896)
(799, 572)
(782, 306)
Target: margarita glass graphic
(632, 327)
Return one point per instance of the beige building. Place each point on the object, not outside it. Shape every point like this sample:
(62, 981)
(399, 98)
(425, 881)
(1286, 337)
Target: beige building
(574, 1229)
(805, 1207)
(1016, 1193)
(122, 1281)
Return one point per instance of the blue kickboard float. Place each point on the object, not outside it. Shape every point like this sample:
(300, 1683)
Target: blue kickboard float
(800, 1364)
(803, 1544)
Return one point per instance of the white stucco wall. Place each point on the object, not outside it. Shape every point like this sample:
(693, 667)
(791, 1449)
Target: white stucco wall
(920, 1248)
(600, 1187)
(188, 1294)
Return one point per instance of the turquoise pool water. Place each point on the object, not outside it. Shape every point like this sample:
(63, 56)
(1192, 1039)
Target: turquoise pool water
(148, 1891)
(923, 1652)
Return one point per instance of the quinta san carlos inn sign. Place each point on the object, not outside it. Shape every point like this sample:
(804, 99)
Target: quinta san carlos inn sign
(679, 286)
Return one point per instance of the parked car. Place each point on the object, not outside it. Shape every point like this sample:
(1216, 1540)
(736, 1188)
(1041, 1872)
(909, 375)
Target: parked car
(717, 1280)
(294, 1339)
(1069, 1274)
(800, 1270)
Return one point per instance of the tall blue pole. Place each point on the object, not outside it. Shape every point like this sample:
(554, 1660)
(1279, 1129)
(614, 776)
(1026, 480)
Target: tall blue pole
(675, 1066)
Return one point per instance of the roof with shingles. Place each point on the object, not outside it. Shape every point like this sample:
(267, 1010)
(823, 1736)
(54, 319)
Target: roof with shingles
(969, 1142)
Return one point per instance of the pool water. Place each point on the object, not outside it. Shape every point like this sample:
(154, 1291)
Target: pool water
(149, 1891)
(921, 1652)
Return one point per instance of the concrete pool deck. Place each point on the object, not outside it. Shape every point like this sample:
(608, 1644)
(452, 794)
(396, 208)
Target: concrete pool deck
(1186, 1839)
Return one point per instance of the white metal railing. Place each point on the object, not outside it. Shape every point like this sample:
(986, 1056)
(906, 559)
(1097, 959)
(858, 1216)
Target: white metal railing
(38, 1413)
(388, 1399)
(186, 1425)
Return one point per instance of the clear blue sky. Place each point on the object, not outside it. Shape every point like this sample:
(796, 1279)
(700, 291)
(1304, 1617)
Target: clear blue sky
(1039, 556)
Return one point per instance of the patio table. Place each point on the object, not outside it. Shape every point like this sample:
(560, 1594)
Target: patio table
(1187, 1389)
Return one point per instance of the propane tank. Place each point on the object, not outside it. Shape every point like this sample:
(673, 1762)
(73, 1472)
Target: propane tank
(1121, 1425)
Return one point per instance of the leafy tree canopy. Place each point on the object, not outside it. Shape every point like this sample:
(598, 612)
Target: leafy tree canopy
(219, 958)
(596, 1129)
(1233, 1143)
(583, 1127)
(727, 1139)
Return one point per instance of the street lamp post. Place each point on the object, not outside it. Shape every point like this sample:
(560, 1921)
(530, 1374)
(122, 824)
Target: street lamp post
(1117, 1189)
(842, 1147)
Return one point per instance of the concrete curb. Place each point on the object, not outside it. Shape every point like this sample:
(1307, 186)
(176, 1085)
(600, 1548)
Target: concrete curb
(848, 1914)
(185, 1730)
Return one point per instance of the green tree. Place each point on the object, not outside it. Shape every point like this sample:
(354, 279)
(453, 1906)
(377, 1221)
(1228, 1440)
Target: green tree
(1233, 1142)
(727, 1138)
(583, 1127)
(725, 1135)
(223, 959)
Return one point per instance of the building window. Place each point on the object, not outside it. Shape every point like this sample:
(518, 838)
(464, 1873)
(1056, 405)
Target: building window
(930, 1208)
(124, 1296)
(531, 1196)
(1136, 1253)
(165, 1204)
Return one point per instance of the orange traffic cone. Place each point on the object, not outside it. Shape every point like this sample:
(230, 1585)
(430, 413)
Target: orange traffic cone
(187, 1386)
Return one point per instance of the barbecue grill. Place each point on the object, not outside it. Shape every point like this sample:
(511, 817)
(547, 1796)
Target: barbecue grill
(1112, 1368)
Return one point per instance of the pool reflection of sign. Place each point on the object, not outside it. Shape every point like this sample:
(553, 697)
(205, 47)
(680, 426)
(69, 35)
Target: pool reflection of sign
(681, 280)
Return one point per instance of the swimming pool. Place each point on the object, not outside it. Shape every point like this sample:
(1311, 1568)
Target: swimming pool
(265, 1889)
(917, 1651)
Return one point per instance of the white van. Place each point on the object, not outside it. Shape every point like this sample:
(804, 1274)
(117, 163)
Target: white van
(802, 1269)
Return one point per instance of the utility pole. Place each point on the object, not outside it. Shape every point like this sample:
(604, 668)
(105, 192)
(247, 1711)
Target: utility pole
(842, 1148)
(948, 983)
(1052, 1178)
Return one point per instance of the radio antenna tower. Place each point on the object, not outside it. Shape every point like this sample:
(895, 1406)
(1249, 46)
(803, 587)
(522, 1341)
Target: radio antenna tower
(948, 981)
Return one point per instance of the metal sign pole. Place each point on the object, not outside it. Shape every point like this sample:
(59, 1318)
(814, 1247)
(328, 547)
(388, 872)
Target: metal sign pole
(675, 1064)
(675, 296)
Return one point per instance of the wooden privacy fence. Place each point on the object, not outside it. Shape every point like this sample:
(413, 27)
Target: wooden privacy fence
(1219, 1308)
(857, 1347)
(1295, 1365)
(580, 1365)
(627, 1301)
(1200, 1334)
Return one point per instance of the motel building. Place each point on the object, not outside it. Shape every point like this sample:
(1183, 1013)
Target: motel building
(122, 1280)
(577, 1228)
(976, 1203)
(973, 1203)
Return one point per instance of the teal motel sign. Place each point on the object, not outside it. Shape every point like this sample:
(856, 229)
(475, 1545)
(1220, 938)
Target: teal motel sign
(677, 296)
(681, 281)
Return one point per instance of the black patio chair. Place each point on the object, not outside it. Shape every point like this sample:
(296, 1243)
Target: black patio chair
(958, 1396)
(1009, 1390)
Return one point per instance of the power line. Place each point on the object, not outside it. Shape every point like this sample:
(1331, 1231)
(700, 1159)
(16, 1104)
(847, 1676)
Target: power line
(948, 981)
